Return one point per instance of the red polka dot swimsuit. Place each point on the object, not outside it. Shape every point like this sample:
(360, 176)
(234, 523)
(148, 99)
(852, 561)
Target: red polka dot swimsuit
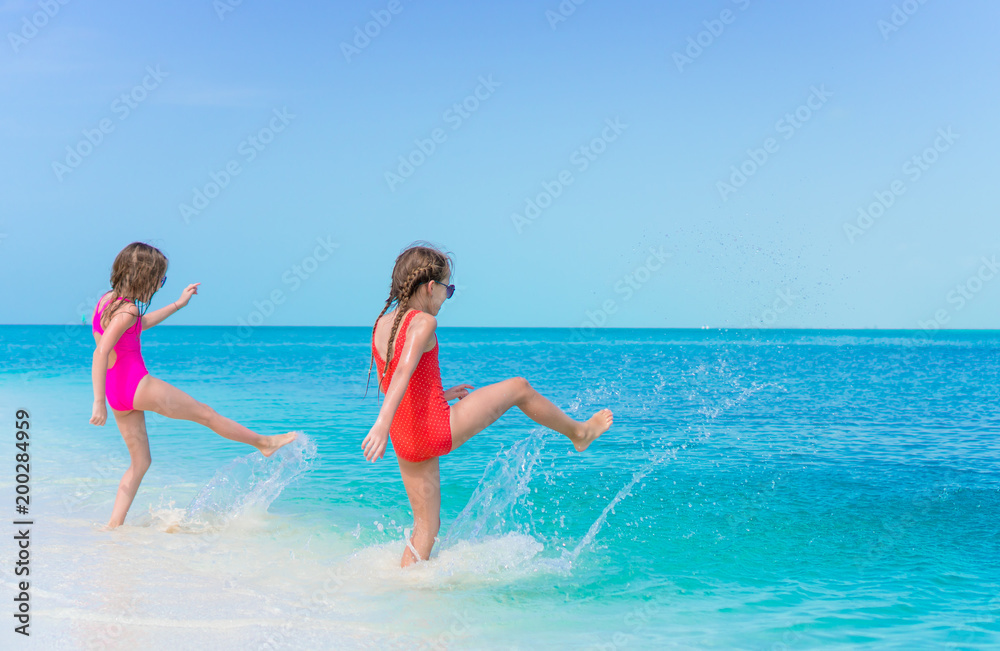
(421, 426)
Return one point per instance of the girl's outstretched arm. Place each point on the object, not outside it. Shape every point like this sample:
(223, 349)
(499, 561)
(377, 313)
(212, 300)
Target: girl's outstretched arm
(420, 333)
(99, 369)
(151, 319)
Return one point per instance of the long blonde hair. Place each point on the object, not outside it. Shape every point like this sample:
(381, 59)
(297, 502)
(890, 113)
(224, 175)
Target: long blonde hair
(135, 276)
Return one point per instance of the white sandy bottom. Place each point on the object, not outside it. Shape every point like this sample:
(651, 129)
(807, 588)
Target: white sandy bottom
(258, 583)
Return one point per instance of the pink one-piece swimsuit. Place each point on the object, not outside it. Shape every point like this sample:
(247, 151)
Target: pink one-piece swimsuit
(123, 378)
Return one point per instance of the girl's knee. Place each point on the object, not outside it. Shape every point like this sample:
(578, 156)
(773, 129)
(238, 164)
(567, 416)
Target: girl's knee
(521, 386)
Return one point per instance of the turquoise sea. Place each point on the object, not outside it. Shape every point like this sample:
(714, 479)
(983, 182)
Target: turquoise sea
(759, 490)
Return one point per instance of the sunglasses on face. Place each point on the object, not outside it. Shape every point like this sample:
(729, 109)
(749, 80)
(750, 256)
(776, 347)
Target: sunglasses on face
(449, 289)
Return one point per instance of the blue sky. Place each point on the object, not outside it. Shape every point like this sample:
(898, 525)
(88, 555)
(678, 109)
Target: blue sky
(651, 225)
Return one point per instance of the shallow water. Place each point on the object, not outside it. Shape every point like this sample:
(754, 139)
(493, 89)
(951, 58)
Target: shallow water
(759, 490)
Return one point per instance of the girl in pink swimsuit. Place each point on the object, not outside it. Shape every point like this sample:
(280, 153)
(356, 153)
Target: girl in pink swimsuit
(416, 413)
(120, 376)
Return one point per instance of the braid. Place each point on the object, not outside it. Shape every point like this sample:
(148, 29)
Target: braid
(404, 299)
(371, 363)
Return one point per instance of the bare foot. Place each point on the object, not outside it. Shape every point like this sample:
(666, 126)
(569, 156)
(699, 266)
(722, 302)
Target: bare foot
(594, 427)
(272, 443)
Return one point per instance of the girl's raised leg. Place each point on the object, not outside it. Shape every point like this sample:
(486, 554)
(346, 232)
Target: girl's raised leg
(423, 487)
(132, 425)
(475, 412)
(167, 400)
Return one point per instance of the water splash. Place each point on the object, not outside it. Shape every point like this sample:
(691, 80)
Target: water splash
(250, 483)
(495, 508)
(570, 556)
(702, 434)
(500, 493)
(491, 561)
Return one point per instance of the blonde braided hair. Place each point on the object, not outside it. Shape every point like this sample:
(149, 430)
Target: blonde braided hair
(419, 263)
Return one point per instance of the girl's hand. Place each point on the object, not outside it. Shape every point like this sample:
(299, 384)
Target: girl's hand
(374, 444)
(186, 295)
(99, 415)
(458, 391)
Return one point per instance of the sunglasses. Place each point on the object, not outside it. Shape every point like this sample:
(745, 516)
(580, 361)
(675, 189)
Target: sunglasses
(449, 290)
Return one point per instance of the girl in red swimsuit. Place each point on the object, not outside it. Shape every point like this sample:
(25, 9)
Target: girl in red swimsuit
(120, 375)
(416, 413)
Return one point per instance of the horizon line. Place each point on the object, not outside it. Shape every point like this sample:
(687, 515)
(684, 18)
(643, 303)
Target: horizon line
(693, 328)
